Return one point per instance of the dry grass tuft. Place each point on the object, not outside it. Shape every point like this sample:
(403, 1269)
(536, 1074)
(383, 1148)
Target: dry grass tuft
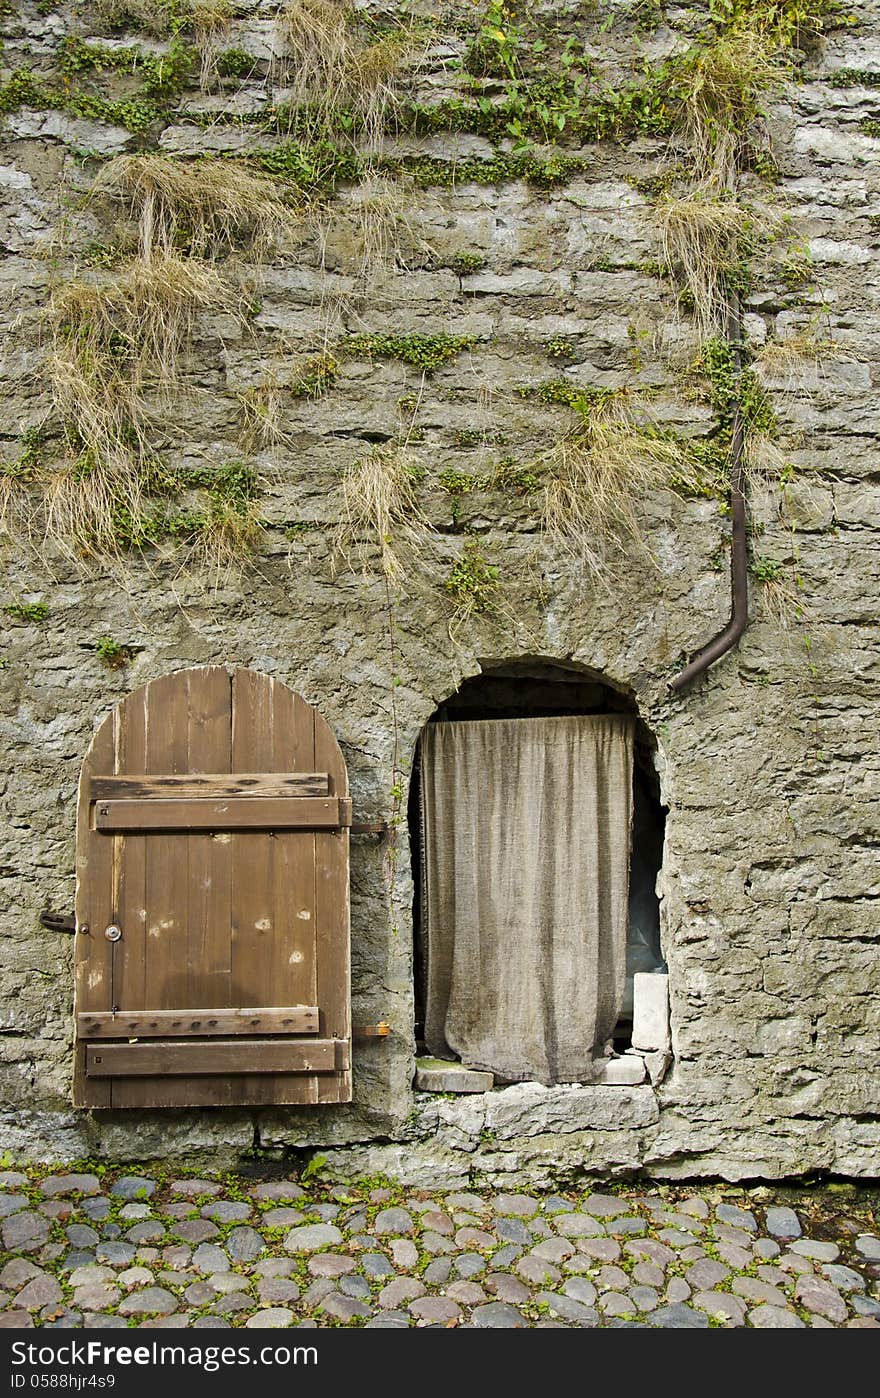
(210, 21)
(261, 411)
(720, 86)
(144, 16)
(379, 509)
(83, 504)
(702, 238)
(374, 226)
(765, 461)
(201, 207)
(805, 346)
(226, 536)
(116, 346)
(335, 70)
(598, 475)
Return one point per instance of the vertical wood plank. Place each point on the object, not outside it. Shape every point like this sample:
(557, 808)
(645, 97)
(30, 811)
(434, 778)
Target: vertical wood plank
(166, 749)
(255, 962)
(129, 955)
(294, 748)
(208, 956)
(94, 890)
(332, 920)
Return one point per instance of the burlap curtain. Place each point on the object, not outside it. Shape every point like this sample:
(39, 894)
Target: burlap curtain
(526, 827)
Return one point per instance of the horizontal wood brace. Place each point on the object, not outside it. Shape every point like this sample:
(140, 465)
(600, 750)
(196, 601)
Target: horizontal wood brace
(236, 813)
(151, 1024)
(215, 785)
(197, 1058)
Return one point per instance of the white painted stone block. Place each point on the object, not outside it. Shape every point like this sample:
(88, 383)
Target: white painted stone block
(627, 1071)
(650, 1012)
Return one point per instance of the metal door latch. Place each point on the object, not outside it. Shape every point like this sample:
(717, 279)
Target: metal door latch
(57, 922)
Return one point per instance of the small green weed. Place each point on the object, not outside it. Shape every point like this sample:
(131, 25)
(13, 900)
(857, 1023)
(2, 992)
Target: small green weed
(34, 612)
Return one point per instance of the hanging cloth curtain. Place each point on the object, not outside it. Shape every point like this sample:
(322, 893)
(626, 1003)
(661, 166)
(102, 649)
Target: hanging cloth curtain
(526, 869)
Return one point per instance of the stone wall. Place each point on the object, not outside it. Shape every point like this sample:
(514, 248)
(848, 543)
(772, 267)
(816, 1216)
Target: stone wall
(767, 765)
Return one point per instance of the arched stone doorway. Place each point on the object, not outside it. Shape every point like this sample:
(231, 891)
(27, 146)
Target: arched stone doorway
(525, 689)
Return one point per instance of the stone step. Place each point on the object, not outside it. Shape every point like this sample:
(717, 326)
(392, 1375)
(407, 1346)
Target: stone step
(440, 1075)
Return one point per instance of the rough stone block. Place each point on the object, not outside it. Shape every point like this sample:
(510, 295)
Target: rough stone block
(657, 1065)
(650, 1012)
(627, 1071)
(438, 1075)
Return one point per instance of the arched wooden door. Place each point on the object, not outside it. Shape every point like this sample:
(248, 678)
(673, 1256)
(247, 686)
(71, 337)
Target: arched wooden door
(212, 908)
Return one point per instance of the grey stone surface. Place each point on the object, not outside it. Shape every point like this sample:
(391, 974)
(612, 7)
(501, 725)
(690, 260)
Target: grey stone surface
(312, 1236)
(722, 1305)
(272, 1318)
(24, 1231)
(843, 1278)
(226, 1210)
(866, 1306)
(783, 1223)
(437, 1309)
(17, 1271)
(120, 1254)
(393, 1221)
(278, 1190)
(40, 1291)
(243, 1244)
(133, 1187)
(376, 1265)
(196, 1230)
(820, 1297)
(815, 1248)
(774, 1318)
(569, 1308)
(706, 1273)
(399, 1291)
(679, 1317)
(345, 1308)
(869, 1246)
(784, 997)
(736, 1217)
(84, 1184)
(209, 1259)
(498, 1315)
(434, 1075)
(513, 1230)
(153, 1300)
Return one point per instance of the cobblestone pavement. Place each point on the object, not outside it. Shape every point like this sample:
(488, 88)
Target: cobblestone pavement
(83, 1249)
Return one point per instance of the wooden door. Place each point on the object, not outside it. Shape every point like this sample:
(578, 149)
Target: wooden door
(212, 961)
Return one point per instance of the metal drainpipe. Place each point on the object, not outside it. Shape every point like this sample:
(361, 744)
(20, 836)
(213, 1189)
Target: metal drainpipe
(739, 575)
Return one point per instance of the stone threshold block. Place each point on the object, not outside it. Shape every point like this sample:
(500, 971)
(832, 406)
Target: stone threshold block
(650, 1031)
(626, 1071)
(439, 1075)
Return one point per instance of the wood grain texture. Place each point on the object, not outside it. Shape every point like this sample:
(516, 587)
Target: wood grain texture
(197, 1058)
(92, 955)
(216, 785)
(292, 1019)
(213, 919)
(233, 813)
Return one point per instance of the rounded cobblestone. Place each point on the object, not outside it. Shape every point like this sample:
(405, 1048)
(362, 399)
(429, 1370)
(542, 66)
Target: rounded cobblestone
(170, 1256)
